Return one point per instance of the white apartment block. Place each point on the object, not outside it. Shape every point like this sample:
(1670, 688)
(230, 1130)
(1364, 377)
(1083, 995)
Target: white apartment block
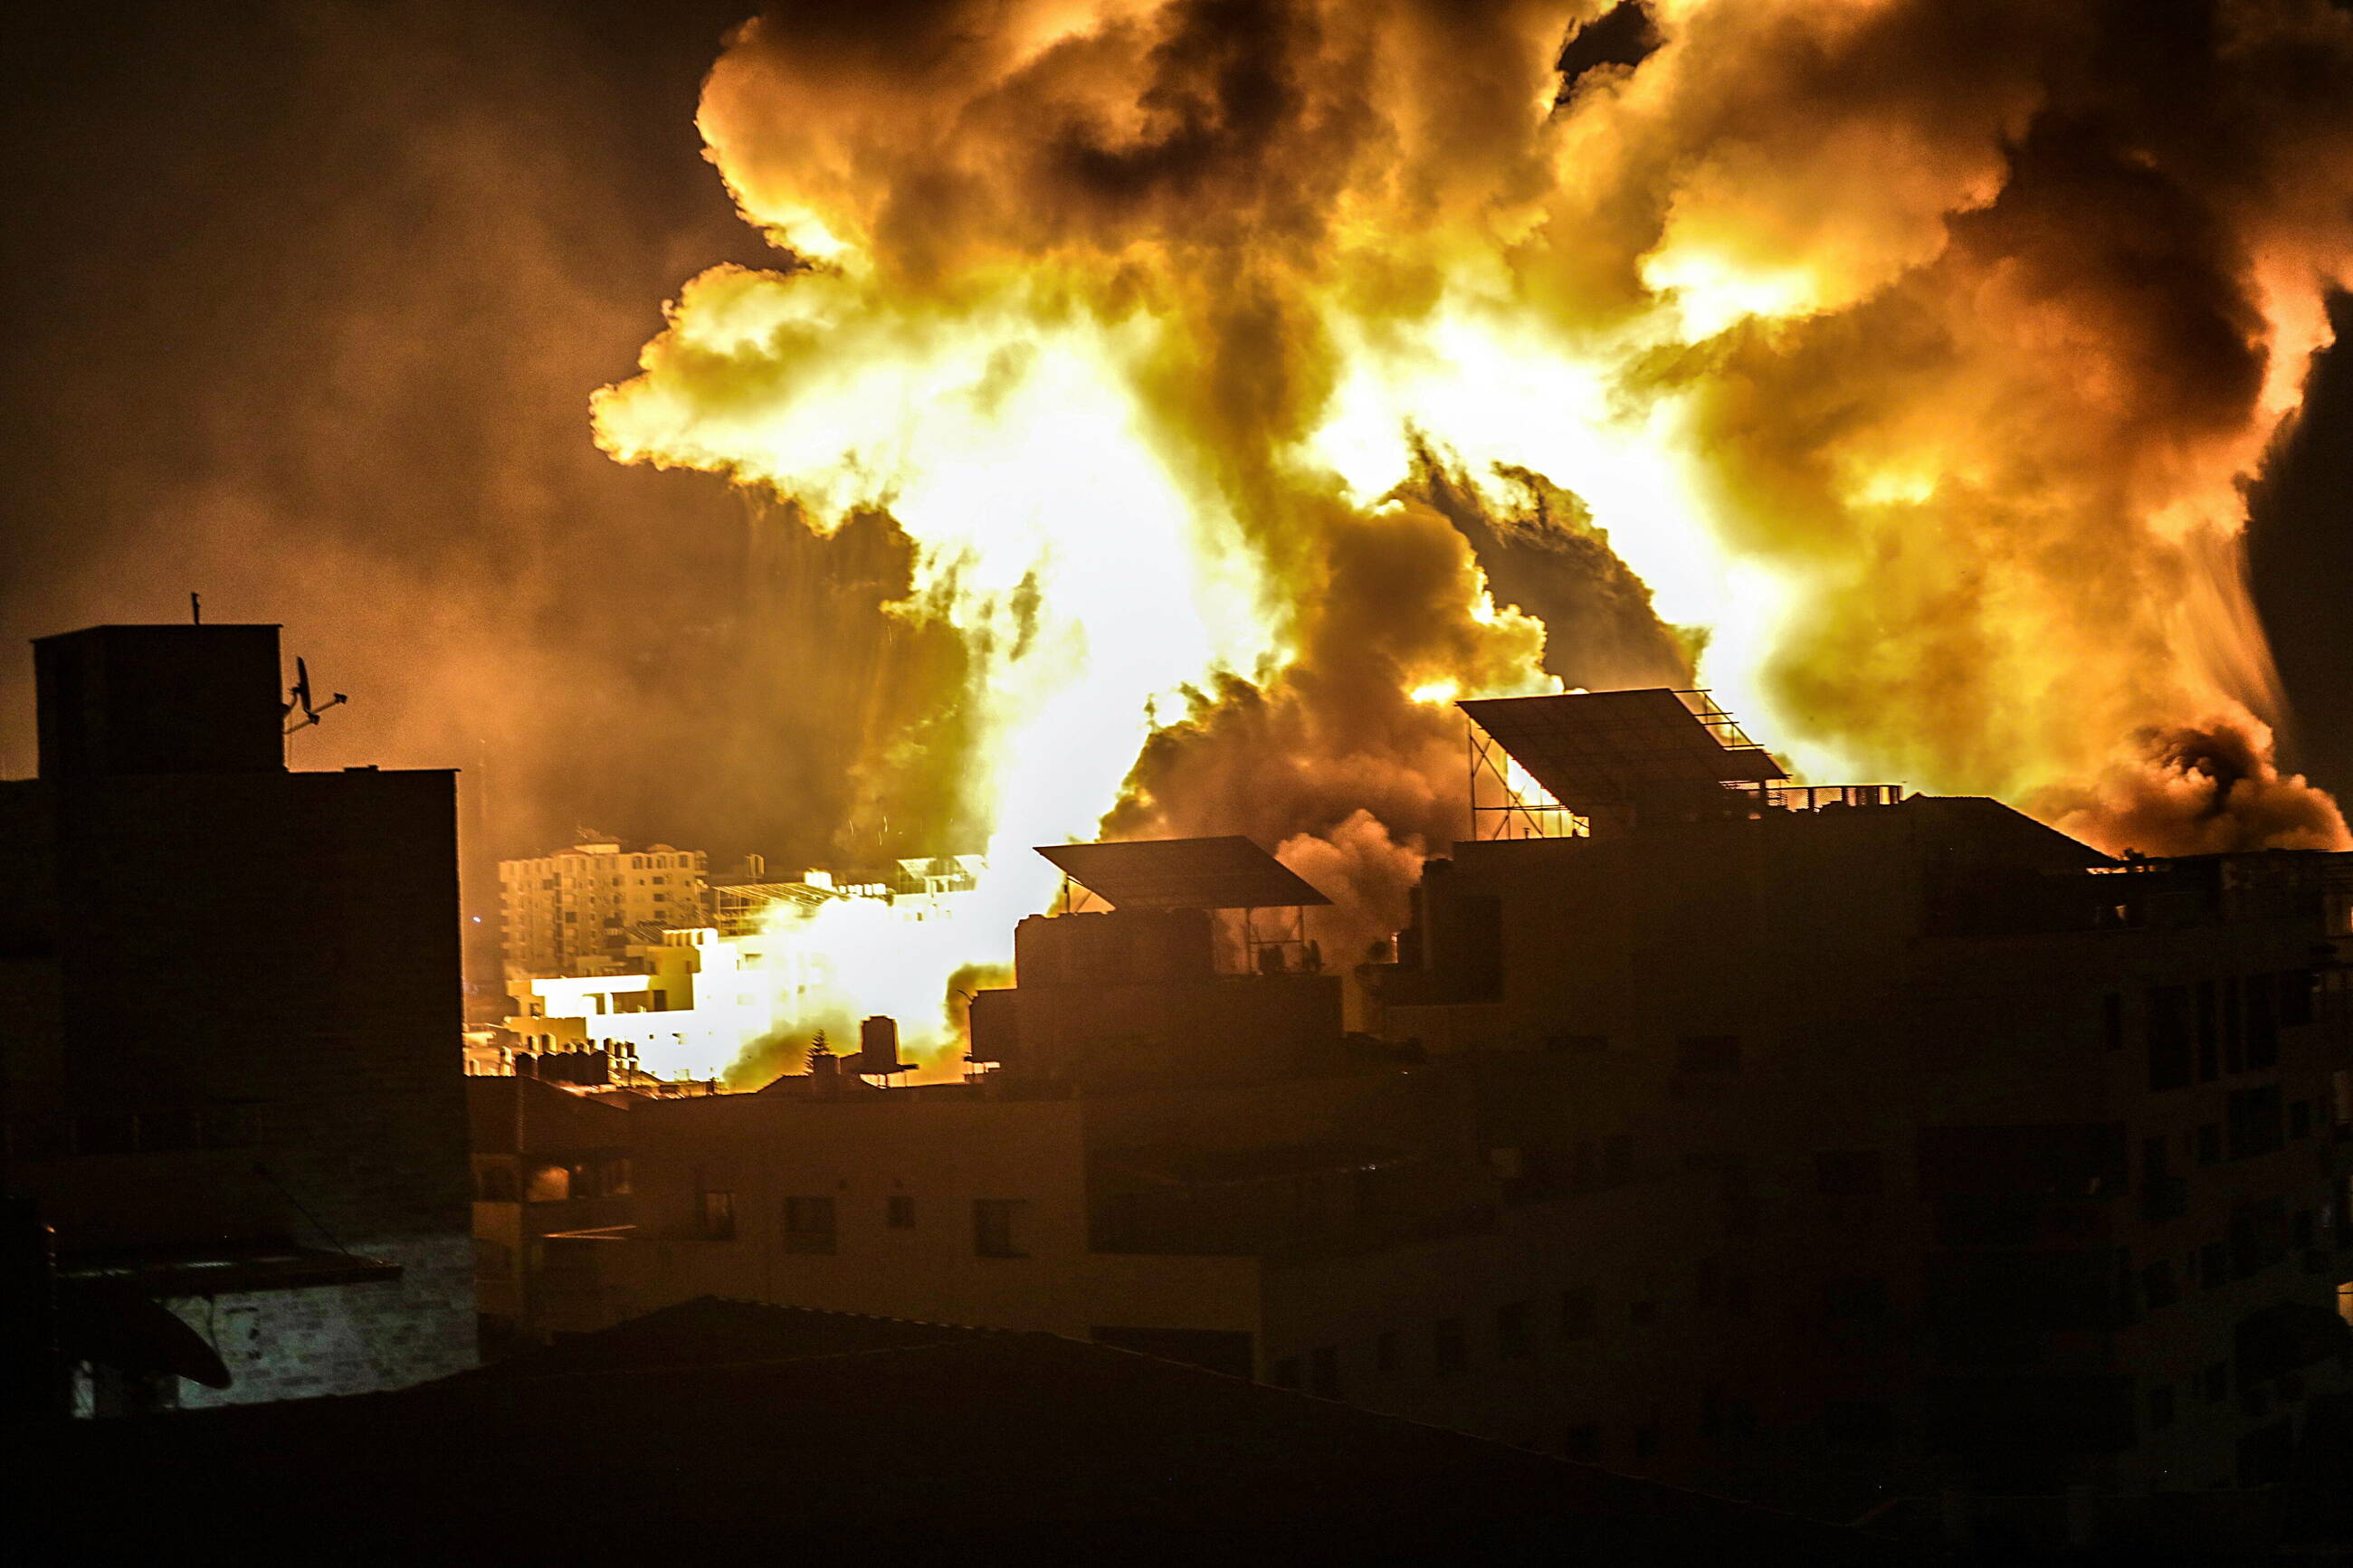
(573, 912)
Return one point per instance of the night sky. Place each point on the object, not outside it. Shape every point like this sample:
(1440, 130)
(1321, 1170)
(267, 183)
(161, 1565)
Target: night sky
(307, 303)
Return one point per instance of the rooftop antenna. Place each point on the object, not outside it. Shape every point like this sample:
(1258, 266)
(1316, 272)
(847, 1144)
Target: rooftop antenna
(196, 608)
(299, 697)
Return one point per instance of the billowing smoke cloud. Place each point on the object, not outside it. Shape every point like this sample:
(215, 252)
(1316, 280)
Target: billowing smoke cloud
(1352, 759)
(1334, 757)
(1895, 368)
(2003, 445)
(1251, 377)
(309, 300)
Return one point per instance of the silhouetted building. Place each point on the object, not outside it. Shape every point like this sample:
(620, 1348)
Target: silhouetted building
(229, 997)
(1824, 1145)
(552, 1179)
(726, 1431)
(2004, 1161)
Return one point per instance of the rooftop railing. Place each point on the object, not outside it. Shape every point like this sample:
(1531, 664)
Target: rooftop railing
(1814, 797)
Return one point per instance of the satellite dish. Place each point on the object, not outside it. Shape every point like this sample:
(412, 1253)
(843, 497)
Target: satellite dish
(299, 698)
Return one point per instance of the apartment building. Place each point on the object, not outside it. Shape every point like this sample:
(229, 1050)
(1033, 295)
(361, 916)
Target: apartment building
(551, 1174)
(1819, 1146)
(229, 1009)
(578, 911)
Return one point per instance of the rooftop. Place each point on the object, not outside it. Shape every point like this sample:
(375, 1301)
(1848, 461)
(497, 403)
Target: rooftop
(717, 1428)
(1229, 873)
(1595, 749)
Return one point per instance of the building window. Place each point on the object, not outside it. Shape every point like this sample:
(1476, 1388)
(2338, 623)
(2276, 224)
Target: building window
(2214, 1265)
(2171, 1055)
(1708, 1053)
(549, 1185)
(716, 1214)
(1513, 1338)
(2294, 1006)
(2210, 1053)
(900, 1210)
(2257, 1125)
(993, 1230)
(1385, 1352)
(1577, 1315)
(493, 1184)
(2259, 998)
(615, 1178)
(2163, 1194)
(1323, 1371)
(1449, 1355)
(1848, 1172)
(2160, 1406)
(2158, 1287)
(808, 1225)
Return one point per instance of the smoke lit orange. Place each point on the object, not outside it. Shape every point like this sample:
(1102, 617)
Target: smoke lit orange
(1894, 375)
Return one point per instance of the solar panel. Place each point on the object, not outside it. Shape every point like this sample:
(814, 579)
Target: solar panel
(1593, 749)
(1230, 873)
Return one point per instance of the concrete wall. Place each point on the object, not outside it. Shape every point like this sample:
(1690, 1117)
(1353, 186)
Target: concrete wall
(941, 1155)
(342, 1339)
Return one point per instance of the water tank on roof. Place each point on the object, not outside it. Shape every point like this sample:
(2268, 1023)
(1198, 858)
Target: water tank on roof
(878, 1047)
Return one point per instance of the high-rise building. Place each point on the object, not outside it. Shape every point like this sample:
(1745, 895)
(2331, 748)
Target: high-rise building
(577, 912)
(229, 1004)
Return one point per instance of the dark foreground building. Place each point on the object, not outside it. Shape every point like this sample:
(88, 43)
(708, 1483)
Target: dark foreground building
(228, 997)
(730, 1432)
(1826, 1147)
(551, 1180)
(2026, 1164)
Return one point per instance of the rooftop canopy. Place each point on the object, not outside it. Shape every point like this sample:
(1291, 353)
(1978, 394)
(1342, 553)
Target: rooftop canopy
(1230, 873)
(1595, 749)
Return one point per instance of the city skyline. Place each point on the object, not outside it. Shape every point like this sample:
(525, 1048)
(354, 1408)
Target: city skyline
(1198, 748)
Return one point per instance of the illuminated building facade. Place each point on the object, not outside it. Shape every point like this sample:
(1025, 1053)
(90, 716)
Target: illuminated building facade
(229, 1001)
(685, 1003)
(577, 912)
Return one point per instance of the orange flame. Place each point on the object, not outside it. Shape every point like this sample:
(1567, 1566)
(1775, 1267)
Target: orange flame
(1893, 373)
